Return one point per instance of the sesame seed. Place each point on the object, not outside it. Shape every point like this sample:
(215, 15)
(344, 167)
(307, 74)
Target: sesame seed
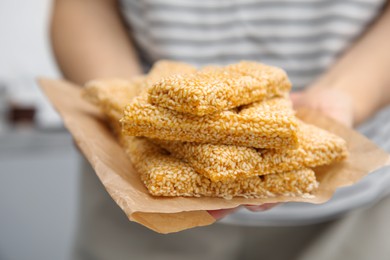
(214, 148)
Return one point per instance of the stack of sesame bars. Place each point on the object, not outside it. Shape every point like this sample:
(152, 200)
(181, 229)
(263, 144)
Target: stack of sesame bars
(218, 131)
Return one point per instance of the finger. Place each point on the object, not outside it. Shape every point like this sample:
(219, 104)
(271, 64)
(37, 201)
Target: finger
(262, 207)
(297, 99)
(220, 213)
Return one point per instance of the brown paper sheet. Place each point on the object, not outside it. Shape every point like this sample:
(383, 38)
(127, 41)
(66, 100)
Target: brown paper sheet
(166, 215)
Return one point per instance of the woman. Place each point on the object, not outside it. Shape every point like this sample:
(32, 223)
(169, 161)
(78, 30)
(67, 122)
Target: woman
(335, 53)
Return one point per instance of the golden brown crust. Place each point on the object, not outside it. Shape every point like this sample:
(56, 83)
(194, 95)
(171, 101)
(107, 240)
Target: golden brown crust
(229, 162)
(214, 89)
(165, 175)
(268, 124)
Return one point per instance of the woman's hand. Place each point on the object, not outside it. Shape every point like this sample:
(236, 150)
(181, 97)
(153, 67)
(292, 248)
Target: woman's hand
(218, 214)
(333, 103)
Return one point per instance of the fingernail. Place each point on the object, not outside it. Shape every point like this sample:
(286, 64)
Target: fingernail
(255, 208)
(218, 214)
(262, 207)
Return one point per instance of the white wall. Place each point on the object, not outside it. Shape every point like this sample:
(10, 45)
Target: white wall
(25, 54)
(24, 46)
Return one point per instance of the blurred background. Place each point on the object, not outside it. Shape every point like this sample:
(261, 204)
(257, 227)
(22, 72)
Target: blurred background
(38, 163)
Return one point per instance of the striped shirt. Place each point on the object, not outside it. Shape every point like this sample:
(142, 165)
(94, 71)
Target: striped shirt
(304, 37)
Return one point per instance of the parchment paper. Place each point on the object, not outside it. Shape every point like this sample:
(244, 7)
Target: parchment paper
(166, 215)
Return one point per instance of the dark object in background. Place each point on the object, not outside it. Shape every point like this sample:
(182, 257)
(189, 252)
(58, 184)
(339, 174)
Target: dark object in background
(21, 114)
(22, 104)
(19, 102)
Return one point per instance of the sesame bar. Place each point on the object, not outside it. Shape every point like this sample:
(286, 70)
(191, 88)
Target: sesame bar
(267, 124)
(113, 95)
(166, 68)
(226, 163)
(214, 89)
(165, 175)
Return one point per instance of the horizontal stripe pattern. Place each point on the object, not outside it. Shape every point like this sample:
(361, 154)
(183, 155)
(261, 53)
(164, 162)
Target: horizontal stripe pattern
(248, 46)
(263, 31)
(206, 4)
(276, 14)
(303, 37)
(231, 5)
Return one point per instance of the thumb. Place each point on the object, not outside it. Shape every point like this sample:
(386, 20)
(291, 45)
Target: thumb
(298, 99)
(220, 213)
